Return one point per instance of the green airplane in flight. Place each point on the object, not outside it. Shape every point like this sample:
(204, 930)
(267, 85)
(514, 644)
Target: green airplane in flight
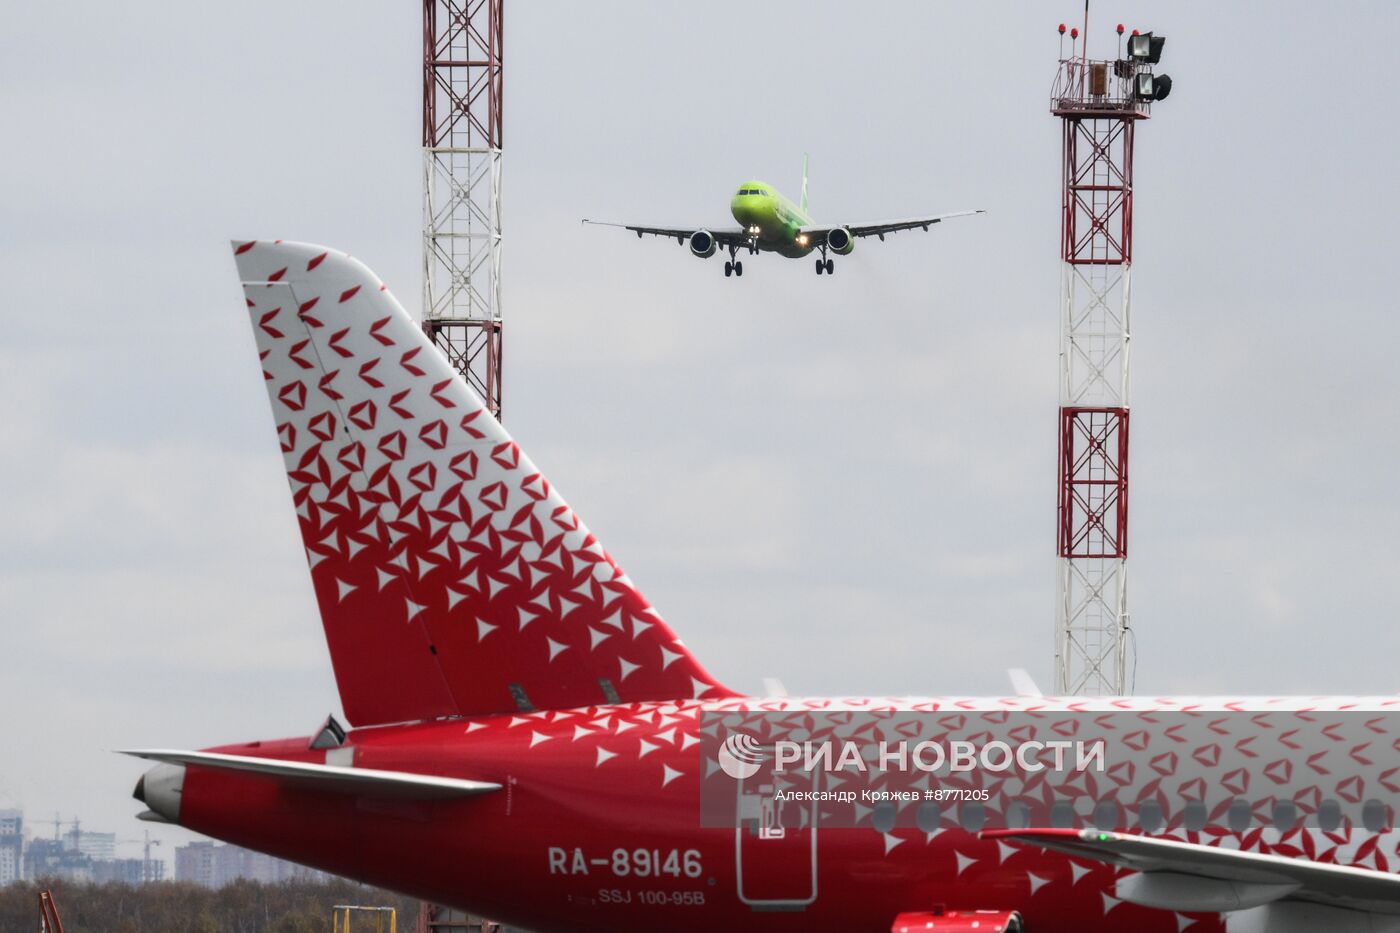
(770, 222)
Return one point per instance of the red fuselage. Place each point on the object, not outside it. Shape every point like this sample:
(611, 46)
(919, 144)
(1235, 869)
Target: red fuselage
(596, 827)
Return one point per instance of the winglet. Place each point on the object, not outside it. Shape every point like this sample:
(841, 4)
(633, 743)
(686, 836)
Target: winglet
(805, 159)
(1023, 683)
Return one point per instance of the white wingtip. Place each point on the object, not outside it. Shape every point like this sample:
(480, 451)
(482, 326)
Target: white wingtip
(1022, 684)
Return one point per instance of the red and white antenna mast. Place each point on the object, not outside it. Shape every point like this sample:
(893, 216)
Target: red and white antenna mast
(1099, 104)
(462, 188)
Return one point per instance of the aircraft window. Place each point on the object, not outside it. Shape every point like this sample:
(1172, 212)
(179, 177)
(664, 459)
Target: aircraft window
(1106, 815)
(1375, 816)
(973, 817)
(883, 816)
(1329, 816)
(1239, 815)
(927, 817)
(1194, 816)
(1150, 816)
(1062, 814)
(1018, 815)
(1285, 815)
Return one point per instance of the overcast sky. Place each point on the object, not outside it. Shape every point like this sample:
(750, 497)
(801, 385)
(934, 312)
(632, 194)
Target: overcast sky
(846, 483)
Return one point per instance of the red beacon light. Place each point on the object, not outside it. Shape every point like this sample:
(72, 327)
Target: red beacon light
(1062, 29)
(1120, 29)
(1074, 33)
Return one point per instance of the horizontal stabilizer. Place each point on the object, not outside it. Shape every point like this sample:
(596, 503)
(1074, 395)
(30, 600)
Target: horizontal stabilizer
(363, 781)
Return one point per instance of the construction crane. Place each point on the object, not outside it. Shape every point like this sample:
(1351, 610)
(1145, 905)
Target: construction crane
(147, 869)
(76, 832)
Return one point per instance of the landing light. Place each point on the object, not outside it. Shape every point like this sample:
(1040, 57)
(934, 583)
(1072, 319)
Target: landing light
(1148, 86)
(802, 239)
(1146, 48)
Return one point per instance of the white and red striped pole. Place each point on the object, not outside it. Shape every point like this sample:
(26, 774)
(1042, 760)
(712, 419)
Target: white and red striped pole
(1098, 113)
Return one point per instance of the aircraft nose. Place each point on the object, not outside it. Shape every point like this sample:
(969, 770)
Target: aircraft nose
(160, 789)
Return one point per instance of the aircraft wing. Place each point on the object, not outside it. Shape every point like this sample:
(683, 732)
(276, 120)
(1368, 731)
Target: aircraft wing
(1182, 875)
(726, 238)
(881, 227)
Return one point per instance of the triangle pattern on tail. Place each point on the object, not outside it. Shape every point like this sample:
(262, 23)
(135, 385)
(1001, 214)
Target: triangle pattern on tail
(451, 577)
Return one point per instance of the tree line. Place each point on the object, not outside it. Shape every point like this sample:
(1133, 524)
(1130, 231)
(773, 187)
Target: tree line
(295, 906)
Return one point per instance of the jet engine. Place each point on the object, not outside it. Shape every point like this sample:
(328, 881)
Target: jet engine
(703, 244)
(840, 241)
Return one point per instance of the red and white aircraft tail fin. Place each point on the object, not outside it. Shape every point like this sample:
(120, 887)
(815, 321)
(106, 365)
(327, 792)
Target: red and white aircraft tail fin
(452, 578)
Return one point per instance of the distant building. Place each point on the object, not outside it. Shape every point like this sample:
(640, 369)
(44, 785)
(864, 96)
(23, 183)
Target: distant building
(79, 856)
(214, 865)
(11, 863)
(11, 846)
(52, 858)
(195, 862)
(96, 846)
(120, 870)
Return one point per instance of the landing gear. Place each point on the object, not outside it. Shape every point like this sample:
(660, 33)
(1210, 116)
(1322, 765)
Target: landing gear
(830, 267)
(821, 267)
(733, 268)
(825, 265)
(738, 268)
